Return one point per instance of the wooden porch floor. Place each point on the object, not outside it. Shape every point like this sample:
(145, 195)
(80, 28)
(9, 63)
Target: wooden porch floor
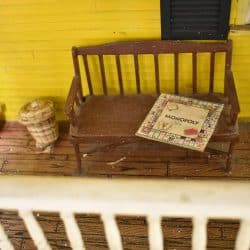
(18, 156)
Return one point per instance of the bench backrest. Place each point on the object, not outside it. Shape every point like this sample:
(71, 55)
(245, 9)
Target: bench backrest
(154, 48)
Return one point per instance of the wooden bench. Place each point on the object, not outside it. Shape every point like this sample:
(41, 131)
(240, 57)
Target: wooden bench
(114, 119)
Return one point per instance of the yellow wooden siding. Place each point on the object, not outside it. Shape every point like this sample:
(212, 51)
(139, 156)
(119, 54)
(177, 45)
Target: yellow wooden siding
(240, 11)
(36, 38)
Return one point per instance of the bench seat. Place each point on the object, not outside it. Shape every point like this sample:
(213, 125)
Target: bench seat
(109, 118)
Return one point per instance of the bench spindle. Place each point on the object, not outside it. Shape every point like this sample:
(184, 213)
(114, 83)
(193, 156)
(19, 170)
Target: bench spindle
(137, 74)
(228, 62)
(104, 82)
(119, 71)
(78, 99)
(157, 77)
(194, 56)
(176, 73)
(86, 66)
(76, 65)
(211, 79)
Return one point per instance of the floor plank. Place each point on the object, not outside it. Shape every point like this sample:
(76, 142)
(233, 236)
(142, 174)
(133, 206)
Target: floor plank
(18, 156)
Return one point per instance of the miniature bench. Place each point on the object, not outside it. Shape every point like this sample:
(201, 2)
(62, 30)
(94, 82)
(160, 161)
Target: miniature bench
(114, 119)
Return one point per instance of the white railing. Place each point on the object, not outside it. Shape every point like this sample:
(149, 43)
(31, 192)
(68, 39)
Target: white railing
(199, 200)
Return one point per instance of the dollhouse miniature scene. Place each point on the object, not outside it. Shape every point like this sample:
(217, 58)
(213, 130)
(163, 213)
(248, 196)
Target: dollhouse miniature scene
(125, 124)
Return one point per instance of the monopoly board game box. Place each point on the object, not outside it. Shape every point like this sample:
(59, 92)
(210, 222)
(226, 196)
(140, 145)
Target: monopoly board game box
(181, 121)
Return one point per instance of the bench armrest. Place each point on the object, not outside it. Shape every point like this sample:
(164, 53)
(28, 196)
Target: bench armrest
(74, 100)
(230, 92)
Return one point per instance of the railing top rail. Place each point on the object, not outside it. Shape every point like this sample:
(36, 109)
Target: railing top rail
(220, 199)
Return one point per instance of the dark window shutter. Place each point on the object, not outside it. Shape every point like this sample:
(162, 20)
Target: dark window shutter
(195, 19)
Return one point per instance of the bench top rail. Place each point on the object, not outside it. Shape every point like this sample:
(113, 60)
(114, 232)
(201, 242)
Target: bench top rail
(154, 47)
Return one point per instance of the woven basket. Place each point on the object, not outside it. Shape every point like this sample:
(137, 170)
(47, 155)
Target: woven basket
(39, 118)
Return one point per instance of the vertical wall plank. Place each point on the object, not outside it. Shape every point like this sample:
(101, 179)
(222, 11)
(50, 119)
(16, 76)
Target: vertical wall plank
(155, 233)
(199, 235)
(34, 230)
(137, 74)
(104, 82)
(73, 231)
(112, 232)
(4, 240)
(157, 74)
(118, 65)
(243, 237)
(176, 73)
(86, 66)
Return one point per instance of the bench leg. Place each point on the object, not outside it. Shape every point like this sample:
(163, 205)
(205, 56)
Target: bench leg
(229, 158)
(78, 158)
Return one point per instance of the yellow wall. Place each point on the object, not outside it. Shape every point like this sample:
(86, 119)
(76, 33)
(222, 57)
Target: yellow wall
(36, 37)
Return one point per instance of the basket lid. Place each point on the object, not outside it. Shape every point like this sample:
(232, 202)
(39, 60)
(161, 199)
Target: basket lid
(36, 111)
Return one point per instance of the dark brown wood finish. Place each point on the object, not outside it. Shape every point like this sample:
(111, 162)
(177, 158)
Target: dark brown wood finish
(211, 79)
(101, 118)
(76, 66)
(157, 75)
(119, 71)
(73, 97)
(137, 74)
(86, 66)
(153, 47)
(176, 73)
(104, 82)
(229, 86)
(75, 61)
(194, 60)
(231, 93)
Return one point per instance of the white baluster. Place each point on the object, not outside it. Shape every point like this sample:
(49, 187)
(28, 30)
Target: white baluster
(4, 240)
(34, 230)
(243, 237)
(112, 232)
(155, 233)
(199, 235)
(73, 231)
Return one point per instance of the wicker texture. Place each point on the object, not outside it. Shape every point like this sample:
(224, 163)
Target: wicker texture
(39, 118)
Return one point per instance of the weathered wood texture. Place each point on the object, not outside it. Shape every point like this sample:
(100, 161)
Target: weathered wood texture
(19, 156)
